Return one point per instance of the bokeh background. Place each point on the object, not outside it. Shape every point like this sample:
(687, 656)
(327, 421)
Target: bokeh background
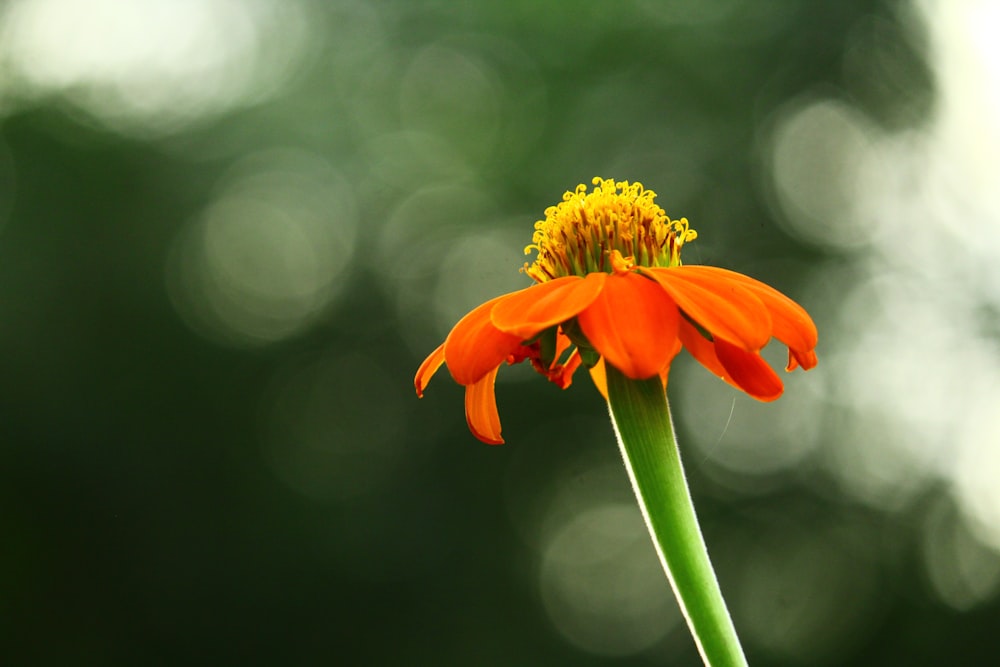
(230, 230)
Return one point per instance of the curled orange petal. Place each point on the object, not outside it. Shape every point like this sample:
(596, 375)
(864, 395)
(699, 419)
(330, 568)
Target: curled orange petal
(475, 347)
(796, 358)
(427, 369)
(719, 304)
(790, 322)
(544, 305)
(701, 349)
(481, 409)
(749, 371)
(633, 325)
(746, 371)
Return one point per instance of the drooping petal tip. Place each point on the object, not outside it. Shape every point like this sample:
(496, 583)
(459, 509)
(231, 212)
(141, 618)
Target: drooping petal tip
(790, 322)
(799, 358)
(427, 370)
(481, 409)
(749, 372)
(746, 371)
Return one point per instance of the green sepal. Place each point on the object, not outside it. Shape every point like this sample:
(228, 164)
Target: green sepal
(587, 353)
(589, 356)
(547, 345)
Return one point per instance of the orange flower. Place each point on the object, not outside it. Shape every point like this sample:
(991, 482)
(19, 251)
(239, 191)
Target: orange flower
(611, 289)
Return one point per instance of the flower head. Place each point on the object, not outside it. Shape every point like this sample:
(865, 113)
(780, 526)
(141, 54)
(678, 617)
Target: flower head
(578, 234)
(611, 290)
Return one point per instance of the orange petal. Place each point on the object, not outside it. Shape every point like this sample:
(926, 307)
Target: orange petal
(665, 371)
(427, 369)
(547, 304)
(600, 378)
(563, 343)
(475, 347)
(749, 371)
(796, 358)
(481, 409)
(746, 371)
(719, 304)
(791, 324)
(564, 377)
(701, 349)
(633, 325)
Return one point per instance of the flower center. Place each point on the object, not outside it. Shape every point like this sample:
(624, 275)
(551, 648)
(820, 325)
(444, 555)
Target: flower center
(581, 234)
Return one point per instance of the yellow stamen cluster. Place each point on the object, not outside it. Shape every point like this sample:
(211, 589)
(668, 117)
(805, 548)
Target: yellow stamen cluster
(579, 235)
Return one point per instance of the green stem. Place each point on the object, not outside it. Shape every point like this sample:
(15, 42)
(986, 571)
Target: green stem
(641, 417)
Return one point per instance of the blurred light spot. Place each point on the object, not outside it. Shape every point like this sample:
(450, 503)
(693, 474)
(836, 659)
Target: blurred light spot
(960, 150)
(427, 220)
(904, 397)
(477, 268)
(455, 95)
(602, 584)
(977, 465)
(915, 379)
(472, 99)
(805, 596)
(821, 161)
(963, 571)
(150, 66)
(263, 260)
(415, 238)
(947, 371)
(334, 428)
(966, 58)
(875, 459)
(913, 361)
